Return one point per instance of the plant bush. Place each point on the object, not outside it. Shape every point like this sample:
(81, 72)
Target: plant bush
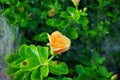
(86, 23)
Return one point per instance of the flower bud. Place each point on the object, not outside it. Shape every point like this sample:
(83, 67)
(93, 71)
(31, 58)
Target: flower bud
(21, 9)
(76, 2)
(114, 77)
(51, 12)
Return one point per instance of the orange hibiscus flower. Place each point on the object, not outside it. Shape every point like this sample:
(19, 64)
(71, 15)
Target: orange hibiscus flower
(58, 42)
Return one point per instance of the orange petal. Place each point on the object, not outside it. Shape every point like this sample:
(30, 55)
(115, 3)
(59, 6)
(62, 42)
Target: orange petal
(58, 42)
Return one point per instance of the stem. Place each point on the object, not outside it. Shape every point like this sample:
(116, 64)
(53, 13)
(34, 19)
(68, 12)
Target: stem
(51, 58)
(44, 64)
(76, 7)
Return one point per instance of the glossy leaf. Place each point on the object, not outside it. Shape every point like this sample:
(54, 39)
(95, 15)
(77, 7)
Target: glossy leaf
(22, 50)
(83, 21)
(43, 53)
(72, 33)
(19, 75)
(11, 70)
(63, 24)
(58, 68)
(44, 14)
(23, 23)
(83, 14)
(52, 22)
(71, 10)
(74, 13)
(27, 76)
(17, 62)
(50, 78)
(36, 74)
(65, 15)
(41, 37)
(44, 70)
(66, 78)
(32, 52)
(29, 64)
(11, 57)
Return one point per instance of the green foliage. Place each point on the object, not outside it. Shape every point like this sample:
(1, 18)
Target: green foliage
(87, 24)
(98, 71)
(34, 63)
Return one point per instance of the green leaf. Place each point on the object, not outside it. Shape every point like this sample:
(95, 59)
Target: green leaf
(17, 62)
(25, 40)
(35, 11)
(19, 75)
(65, 15)
(13, 2)
(44, 14)
(63, 23)
(36, 74)
(25, 5)
(109, 74)
(103, 3)
(22, 75)
(44, 70)
(103, 71)
(11, 57)
(5, 1)
(66, 78)
(88, 71)
(41, 37)
(93, 66)
(32, 52)
(98, 59)
(32, 24)
(52, 22)
(23, 23)
(83, 14)
(11, 70)
(22, 50)
(58, 68)
(72, 33)
(79, 69)
(7, 11)
(50, 78)
(27, 76)
(43, 53)
(29, 64)
(92, 33)
(71, 10)
(101, 60)
(83, 21)
(74, 13)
